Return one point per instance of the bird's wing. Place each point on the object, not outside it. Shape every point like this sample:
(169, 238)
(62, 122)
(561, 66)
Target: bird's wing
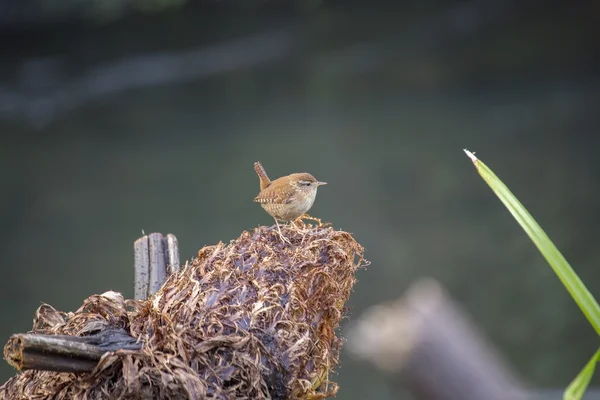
(276, 194)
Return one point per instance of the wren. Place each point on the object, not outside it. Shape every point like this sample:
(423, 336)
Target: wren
(286, 198)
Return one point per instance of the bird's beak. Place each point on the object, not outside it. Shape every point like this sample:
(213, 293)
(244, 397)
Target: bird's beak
(321, 183)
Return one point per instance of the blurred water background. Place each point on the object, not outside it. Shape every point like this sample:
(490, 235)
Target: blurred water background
(121, 116)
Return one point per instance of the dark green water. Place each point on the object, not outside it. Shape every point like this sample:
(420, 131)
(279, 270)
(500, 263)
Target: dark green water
(367, 99)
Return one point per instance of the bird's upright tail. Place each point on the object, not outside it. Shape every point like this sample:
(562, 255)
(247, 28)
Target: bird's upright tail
(262, 175)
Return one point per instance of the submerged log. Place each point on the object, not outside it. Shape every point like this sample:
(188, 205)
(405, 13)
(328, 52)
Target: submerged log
(432, 348)
(64, 353)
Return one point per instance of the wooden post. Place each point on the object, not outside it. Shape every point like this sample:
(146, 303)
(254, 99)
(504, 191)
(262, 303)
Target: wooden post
(432, 348)
(156, 257)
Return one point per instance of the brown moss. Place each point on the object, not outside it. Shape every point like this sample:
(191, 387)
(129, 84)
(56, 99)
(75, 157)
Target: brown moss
(254, 319)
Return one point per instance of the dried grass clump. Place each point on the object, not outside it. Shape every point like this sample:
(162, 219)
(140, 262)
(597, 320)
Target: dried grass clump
(254, 319)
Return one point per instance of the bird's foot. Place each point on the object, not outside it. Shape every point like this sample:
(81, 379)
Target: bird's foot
(308, 217)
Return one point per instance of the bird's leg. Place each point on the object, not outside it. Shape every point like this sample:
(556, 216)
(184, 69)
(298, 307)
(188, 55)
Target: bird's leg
(281, 234)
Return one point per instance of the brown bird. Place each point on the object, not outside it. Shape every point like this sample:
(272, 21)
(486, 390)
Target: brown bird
(286, 198)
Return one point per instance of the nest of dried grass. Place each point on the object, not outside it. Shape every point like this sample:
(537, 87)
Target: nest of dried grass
(255, 319)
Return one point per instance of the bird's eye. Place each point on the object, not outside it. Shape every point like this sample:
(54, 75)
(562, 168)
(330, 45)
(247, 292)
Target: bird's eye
(305, 183)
